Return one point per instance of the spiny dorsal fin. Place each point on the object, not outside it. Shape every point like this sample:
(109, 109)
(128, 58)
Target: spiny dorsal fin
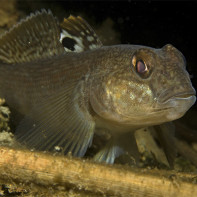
(77, 35)
(35, 37)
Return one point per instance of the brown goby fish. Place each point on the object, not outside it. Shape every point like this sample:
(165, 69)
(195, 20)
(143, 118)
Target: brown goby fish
(66, 85)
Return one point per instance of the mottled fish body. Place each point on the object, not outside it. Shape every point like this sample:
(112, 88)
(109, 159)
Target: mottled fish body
(66, 85)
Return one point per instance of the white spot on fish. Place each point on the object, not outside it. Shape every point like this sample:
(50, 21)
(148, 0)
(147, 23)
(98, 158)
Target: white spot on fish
(90, 38)
(148, 91)
(57, 148)
(132, 96)
(78, 48)
(93, 46)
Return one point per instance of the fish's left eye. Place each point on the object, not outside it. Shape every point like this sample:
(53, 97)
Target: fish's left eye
(142, 69)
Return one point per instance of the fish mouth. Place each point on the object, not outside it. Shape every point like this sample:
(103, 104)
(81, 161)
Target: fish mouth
(169, 102)
(178, 96)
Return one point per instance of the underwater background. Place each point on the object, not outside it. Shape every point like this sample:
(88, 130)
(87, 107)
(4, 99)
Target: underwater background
(149, 23)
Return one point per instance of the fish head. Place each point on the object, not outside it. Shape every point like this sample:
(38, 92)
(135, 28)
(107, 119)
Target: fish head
(143, 86)
(174, 93)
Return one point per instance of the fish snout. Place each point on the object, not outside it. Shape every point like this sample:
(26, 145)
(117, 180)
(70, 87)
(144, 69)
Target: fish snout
(182, 91)
(175, 102)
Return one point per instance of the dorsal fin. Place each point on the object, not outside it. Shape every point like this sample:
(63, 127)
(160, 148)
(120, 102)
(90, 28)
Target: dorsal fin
(77, 35)
(33, 38)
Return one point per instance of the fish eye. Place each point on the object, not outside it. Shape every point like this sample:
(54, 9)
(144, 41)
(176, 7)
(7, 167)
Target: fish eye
(141, 67)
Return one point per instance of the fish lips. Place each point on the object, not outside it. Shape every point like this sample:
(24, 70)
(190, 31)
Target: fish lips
(177, 105)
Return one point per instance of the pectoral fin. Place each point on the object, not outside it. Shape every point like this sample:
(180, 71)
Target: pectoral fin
(61, 121)
(118, 145)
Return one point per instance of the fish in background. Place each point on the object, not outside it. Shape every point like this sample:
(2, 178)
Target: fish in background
(67, 86)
